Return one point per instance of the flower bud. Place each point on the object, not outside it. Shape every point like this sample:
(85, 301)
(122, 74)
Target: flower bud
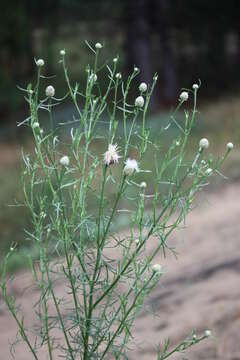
(143, 87)
(195, 87)
(93, 77)
(143, 185)
(62, 52)
(183, 96)
(40, 62)
(229, 146)
(35, 125)
(115, 60)
(209, 171)
(64, 161)
(50, 91)
(98, 45)
(204, 143)
(157, 268)
(139, 101)
(207, 333)
(118, 76)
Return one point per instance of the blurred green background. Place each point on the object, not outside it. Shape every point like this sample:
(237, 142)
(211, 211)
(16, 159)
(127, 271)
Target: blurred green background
(181, 41)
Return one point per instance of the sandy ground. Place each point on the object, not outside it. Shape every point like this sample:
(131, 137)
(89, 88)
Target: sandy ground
(200, 290)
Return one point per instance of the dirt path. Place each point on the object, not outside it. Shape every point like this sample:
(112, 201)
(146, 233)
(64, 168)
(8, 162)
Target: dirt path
(200, 290)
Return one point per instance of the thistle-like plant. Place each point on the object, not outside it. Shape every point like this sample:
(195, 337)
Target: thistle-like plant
(77, 185)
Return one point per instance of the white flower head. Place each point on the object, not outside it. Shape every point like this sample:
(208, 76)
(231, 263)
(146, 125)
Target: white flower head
(229, 146)
(98, 45)
(204, 143)
(115, 60)
(40, 62)
(111, 155)
(35, 125)
(157, 268)
(139, 101)
(64, 161)
(195, 87)
(131, 165)
(62, 52)
(143, 87)
(50, 91)
(207, 333)
(143, 185)
(136, 69)
(183, 96)
(209, 171)
(118, 76)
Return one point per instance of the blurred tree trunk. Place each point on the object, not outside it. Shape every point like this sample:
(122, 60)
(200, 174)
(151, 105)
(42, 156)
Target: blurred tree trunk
(163, 25)
(138, 42)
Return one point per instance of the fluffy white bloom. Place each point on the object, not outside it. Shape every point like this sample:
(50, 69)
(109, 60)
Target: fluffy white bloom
(204, 143)
(98, 45)
(209, 171)
(143, 185)
(195, 86)
(40, 62)
(111, 155)
(118, 76)
(184, 96)
(64, 161)
(143, 87)
(62, 52)
(115, 60)
(130, 167)
(139, 101)
(229, 146)
(207, 333)
(35, 125)
(157, 268)
(50, 91)
(136, 68)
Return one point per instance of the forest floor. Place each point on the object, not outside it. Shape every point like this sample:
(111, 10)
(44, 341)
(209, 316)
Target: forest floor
(200, 290)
